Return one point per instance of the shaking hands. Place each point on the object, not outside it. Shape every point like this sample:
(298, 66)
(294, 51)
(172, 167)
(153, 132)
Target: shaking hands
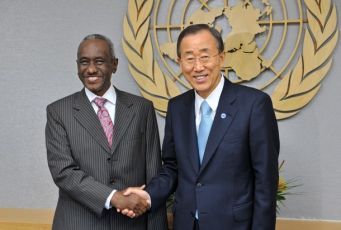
(132, 202)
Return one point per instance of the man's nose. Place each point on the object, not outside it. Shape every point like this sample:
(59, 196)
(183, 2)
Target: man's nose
(92, 68)
(198, 66)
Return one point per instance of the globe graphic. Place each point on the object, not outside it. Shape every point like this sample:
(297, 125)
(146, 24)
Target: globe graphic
(261, 37)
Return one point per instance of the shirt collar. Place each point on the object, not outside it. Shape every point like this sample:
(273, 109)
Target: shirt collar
(110, 95)
(212, 99)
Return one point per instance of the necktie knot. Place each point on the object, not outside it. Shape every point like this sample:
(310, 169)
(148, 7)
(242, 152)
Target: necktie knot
(205, 108)
(100, 101)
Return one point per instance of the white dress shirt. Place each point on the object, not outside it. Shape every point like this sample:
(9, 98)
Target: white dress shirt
(110, 105)
(212, 100)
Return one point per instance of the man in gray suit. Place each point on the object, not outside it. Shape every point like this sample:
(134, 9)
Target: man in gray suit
(100, 141)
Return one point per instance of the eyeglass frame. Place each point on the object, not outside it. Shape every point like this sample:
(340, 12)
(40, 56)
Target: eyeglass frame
(201, 61)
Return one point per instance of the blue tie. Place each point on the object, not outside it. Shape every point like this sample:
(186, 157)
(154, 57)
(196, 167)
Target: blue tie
(204, 128)
(203, 132)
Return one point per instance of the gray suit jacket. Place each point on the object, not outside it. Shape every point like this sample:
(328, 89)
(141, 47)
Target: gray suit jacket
(86, 170)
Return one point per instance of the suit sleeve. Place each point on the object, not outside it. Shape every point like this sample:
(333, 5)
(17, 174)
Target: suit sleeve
(156, 220)
(264, 147)
(66, 173)
(166, 181)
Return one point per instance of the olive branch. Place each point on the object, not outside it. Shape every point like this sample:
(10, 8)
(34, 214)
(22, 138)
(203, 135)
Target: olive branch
(300, 85)
(137, 45)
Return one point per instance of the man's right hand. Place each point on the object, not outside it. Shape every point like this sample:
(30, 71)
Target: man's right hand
(139, 192)
(136, 204)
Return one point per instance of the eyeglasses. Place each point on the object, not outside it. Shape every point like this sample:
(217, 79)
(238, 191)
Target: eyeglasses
(203, 59)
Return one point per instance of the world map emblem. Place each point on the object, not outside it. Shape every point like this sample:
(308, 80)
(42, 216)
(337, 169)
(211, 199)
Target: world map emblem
(285, 53)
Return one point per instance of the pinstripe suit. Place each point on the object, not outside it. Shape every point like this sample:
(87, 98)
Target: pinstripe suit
(86, 170)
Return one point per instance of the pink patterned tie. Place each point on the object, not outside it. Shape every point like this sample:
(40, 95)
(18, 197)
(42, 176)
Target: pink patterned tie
(104, 118)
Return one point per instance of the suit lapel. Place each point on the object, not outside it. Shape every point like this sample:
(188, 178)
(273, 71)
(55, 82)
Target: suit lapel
(86, 116)
(123, 116)
(223, 118)
(190, 131)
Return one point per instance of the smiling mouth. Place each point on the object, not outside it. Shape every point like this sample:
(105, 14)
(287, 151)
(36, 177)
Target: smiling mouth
(200, 77)
(92, 78)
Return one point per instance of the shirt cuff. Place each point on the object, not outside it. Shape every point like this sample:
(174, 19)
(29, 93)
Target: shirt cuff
(107, 204)
(149, 200)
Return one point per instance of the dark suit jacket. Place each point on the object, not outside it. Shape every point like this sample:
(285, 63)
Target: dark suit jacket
(86, 170)
(235, 187)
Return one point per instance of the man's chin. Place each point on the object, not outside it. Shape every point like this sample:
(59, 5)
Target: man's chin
(92, 88)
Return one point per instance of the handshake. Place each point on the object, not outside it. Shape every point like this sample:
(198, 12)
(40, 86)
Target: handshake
(132, 202)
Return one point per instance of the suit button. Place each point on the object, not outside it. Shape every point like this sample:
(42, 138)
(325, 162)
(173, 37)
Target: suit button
(199, 184)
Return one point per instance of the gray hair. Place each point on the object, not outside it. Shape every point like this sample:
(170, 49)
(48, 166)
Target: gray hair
(103, 38)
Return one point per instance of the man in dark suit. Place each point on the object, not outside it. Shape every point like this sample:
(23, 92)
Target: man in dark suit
(99, 141)
(221, 146)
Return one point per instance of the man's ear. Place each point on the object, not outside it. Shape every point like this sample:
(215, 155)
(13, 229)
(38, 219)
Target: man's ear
(222, 56)
(114, 64)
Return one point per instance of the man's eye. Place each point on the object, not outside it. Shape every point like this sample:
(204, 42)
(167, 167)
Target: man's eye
(189, 59)
(99, 62)
(204, 58)
(84, 63)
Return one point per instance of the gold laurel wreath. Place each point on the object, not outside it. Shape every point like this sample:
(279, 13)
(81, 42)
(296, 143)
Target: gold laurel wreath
(299, 86)
(294, 91)
(137, 45)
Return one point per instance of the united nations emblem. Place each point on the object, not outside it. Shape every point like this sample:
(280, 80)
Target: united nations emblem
(286, 53)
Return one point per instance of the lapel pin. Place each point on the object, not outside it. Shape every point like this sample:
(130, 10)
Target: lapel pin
(223, 115)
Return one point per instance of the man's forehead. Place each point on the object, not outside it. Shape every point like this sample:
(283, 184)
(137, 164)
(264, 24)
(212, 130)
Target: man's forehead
(191, 51)
(93, 45)
(202, 39)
